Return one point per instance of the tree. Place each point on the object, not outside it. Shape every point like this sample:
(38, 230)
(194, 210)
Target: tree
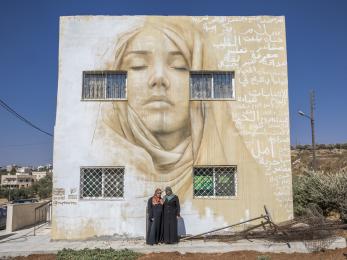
(15, 194)
(43, 187)
(13, 171)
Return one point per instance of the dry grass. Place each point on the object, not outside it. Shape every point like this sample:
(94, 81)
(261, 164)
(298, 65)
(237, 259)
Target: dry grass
(328, 160)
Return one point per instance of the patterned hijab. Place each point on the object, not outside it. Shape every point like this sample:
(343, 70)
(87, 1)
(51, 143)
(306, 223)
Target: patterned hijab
(156, 199)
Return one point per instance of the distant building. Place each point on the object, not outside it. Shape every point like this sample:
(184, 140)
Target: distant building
(41, 168)
(17, 181)
(24, 169)
(23, 173)
(39, 175)
(9, 168)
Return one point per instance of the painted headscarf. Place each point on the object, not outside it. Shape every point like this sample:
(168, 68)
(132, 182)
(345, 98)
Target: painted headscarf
(125, 121)
(172, 167)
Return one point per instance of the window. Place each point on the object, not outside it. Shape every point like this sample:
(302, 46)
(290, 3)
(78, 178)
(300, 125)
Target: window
(212, 85)
(102, 183)
(104, 85)
(213, 182)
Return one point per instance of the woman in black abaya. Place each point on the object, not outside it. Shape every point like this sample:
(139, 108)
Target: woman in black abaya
(171, 212)
(154, 210)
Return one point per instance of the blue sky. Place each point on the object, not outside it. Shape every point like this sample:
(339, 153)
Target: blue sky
(316, 46)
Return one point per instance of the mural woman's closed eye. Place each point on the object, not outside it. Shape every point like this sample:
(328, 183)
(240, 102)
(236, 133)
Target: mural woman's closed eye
(138, 67)
(140, 62)
(177, 61)
(136, 62)
(179, 65)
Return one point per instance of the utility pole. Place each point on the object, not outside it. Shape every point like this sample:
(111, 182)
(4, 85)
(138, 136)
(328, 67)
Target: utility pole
(312, 104)
(311, 117)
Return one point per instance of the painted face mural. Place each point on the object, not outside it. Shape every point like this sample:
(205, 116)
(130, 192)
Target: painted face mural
(164, 133)
(160, 133)
(158, 57)
(157, 86)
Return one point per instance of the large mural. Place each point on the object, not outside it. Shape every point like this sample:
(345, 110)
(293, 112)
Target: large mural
(158, 132)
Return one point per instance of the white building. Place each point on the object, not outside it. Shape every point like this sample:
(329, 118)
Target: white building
(17, 181)
(24, 169)
(9, 168)
(196, 103)
(39, 174)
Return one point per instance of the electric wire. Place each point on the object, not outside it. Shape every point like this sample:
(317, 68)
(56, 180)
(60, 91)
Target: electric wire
(14, 113)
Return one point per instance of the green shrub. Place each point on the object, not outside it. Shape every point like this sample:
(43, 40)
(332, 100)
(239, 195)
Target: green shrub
(328, 191)
(263, 257)
(97, 254)
(15, 194)
(43, 187)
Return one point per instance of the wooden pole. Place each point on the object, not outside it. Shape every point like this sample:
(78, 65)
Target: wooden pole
(312, 104)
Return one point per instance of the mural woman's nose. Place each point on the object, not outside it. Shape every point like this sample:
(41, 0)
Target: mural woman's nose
(159, 78)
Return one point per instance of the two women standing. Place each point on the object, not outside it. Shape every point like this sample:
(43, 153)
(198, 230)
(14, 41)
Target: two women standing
(162, 217)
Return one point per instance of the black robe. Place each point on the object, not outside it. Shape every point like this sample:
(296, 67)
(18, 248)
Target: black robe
(154, 222)
(171, 209)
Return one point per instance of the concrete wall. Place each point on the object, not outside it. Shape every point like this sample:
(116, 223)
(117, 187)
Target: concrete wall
(251, 131)
(21, 215)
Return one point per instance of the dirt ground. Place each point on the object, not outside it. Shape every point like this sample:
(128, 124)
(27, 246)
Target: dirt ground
(245, 255)
(35, 257)
(337, 254)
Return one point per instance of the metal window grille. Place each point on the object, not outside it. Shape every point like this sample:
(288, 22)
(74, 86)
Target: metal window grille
(104, 85)
(212, 85)
(102, 183)
(213, 182)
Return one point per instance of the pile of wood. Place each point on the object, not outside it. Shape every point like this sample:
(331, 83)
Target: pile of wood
(313, 226)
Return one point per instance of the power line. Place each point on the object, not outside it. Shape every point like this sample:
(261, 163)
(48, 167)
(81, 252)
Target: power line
(21, 145)
(13, 112)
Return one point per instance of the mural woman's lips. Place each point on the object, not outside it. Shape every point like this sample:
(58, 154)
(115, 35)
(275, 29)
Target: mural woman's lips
(158, 102)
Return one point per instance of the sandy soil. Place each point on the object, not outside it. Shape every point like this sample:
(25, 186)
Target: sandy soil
(36, 257)
(337, 254)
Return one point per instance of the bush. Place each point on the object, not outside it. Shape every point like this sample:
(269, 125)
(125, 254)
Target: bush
(328, 191)
(15, 194)
(320, 146)
(97, 254)
(43, 187)
(263, 257)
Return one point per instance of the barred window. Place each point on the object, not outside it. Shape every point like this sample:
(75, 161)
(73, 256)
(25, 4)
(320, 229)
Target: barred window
(214, 181)
(104, 85)
(212, 85)
(102, 183)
